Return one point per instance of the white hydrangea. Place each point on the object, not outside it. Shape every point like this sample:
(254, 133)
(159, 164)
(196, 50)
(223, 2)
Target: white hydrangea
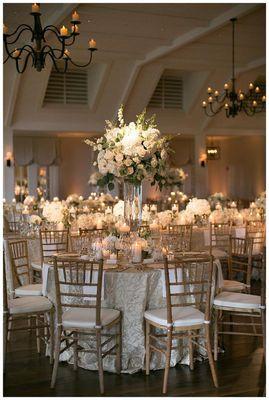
(198, 206)
(54, 211)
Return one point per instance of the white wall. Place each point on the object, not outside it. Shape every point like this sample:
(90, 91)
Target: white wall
(240, 172)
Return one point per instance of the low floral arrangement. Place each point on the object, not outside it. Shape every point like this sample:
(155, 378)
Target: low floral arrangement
(35, 220)
(198, 207)
(261, 201)
(184, 217)
(131, 152)
(73, 200)
(175, 177)
(217, 198)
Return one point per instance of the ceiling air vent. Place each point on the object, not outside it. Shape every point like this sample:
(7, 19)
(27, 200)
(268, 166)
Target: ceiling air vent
(168, 93)
(68, 88)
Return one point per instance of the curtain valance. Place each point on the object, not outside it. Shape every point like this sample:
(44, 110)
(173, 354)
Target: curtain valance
(38, 150)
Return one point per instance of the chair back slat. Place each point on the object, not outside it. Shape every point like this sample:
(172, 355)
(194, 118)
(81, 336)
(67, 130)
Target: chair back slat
(178, 237)
(240, 259)
(53, 241)
(79, 279)
(188, 283)
(219, 236)
(20, 265)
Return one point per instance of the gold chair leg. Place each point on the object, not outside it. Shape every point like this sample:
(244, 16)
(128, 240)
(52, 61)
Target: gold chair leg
(9, 329)
(119, 348)
(190, 350)
(216, 315)
(147, 347)
(210, 357)
(56, 357)
(167, 359)
(100, 361)
(5, 334)
(51, 332)
(37, 334)
(75, 350)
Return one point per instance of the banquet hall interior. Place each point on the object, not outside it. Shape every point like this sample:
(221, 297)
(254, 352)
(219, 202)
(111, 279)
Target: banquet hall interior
(134, 199)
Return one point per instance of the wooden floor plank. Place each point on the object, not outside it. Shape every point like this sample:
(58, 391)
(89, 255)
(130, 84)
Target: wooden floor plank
(28, 374)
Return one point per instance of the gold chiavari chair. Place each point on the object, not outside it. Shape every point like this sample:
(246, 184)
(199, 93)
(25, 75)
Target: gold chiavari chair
(51, 242)
(78, 286)
(239, 264)
(13, 227)
(23, 308)
(21, 270)
(247, 307)
(255, 230)
(179, 237)
(219, 239)
(188, 306)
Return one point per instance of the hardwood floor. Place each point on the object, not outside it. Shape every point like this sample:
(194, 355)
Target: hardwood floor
(240, 370)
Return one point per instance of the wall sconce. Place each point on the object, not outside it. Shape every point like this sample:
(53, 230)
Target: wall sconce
(202, 160)
(9, 158)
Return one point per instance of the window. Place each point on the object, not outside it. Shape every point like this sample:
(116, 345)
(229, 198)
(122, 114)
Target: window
(68, 88)
(168, 93)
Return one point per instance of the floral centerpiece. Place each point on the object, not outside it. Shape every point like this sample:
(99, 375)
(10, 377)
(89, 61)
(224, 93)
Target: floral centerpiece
(200, 208)
(175, 177)
(217, 198)
(131, 153)
(57, 213)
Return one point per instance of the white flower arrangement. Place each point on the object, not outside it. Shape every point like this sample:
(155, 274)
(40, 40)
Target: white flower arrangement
(131, 152)
(198, 206)
(72, 199)
(218, 216)
(216, 198)
(109, 242)
(175, 177)
(29, 201)
(85, 221)
(54, 212)
(261, 201)
(184, 217)
(165, 217)
(35, 220)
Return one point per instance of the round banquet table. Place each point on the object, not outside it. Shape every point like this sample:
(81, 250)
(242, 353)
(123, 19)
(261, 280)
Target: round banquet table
(132, 291)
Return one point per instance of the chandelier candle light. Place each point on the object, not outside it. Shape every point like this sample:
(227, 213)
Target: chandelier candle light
(234, 101)
(41, 50)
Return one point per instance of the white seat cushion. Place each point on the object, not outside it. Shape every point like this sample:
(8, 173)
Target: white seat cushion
(237, 300)
(29, 290)
(85, 318)
(28, 304)
(233, 286)
(182, 316)
(218, 253)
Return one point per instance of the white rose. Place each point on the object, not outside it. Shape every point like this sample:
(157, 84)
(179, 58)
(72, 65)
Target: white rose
(109, 155)
(128, 162)
(119, 158)
(130, 170)
(141, 151)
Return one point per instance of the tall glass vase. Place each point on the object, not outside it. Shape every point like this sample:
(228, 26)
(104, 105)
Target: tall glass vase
(132, 205)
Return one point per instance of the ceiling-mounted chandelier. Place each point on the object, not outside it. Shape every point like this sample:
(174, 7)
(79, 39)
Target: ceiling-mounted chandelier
(234, 101)
(40, 51)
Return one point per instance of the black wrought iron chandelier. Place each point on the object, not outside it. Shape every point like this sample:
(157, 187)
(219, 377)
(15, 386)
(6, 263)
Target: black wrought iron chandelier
(234, 101)
(40, 50)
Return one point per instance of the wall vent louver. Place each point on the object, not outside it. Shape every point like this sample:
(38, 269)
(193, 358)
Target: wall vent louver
(68, 88)
(168, 93)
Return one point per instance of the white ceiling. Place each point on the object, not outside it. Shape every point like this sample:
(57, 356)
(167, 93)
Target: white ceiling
(136, 43)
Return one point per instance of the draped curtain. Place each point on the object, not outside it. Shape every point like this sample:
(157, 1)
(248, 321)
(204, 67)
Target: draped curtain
(39, 150)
